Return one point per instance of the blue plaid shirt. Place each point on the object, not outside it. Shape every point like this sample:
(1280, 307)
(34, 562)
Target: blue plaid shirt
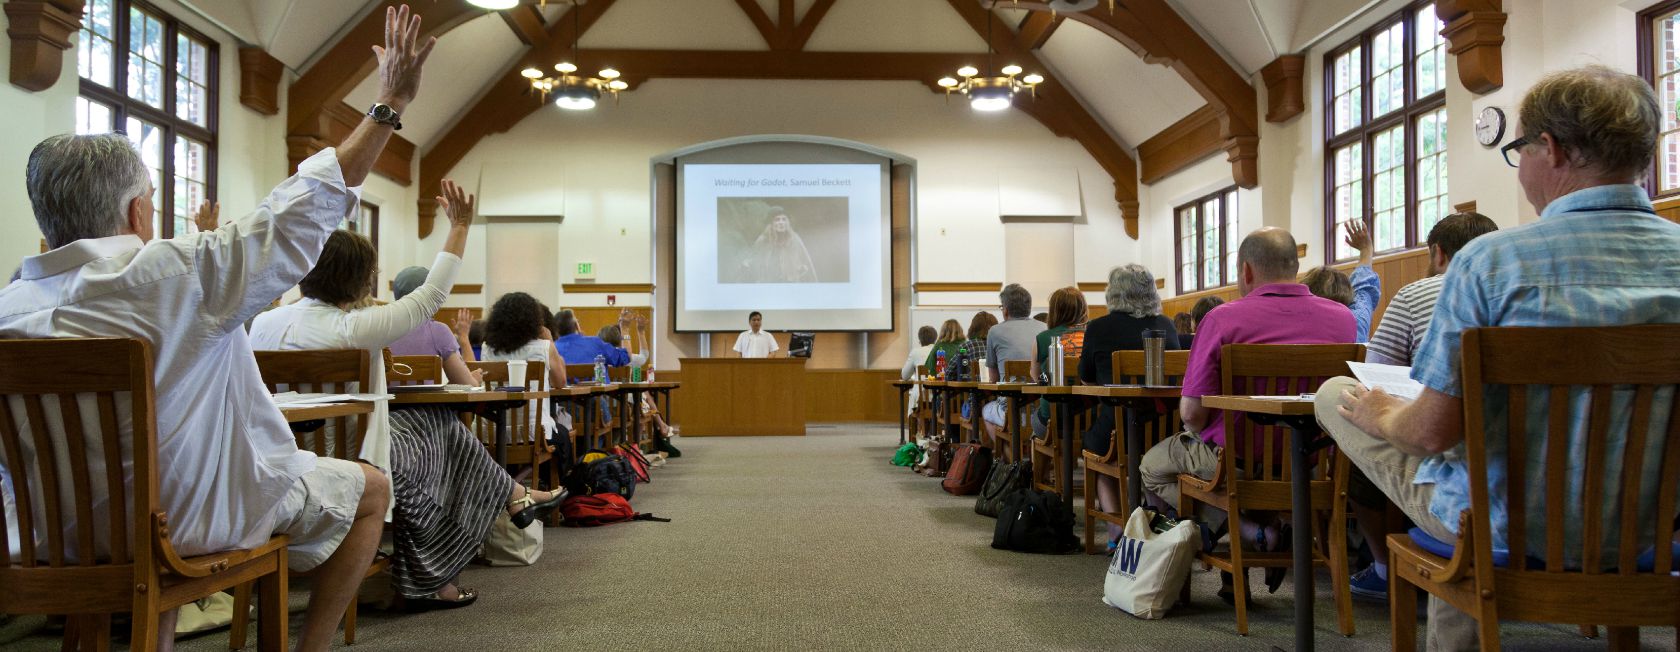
(1596, 257)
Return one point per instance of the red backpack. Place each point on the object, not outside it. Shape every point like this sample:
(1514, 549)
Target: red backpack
(601, 509)
(638, 461)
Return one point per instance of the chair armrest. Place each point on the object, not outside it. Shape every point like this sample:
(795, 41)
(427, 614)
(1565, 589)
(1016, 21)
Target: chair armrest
(1459, 565)
(203, 565)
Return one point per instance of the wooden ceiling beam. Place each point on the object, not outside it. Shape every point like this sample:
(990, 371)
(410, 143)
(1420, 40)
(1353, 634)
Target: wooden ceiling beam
(808, 24)
(331, 78)
(1183, 143)
(766, 28)
(1037, 28)
(1158, 34)
(526, 21)
(1058, 110)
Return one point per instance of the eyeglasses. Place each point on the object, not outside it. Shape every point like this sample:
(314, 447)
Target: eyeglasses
(1511, 148)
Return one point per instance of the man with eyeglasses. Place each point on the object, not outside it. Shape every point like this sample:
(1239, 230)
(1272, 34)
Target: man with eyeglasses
(1014, 339)
(1598, 256)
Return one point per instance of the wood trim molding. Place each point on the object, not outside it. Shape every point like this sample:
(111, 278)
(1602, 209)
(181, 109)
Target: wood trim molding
(1466, 207)
(1475, 32)
(1092, 286)
(938, 286)
(40, 32)
(1181, 144)
(606, 288)
(460, 288)
(1301, 250)
(259, 80)
(1285, 87)
(1158, 34)
(395, 162)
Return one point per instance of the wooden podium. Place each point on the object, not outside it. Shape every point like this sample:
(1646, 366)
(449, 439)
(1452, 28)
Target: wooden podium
(740, 396)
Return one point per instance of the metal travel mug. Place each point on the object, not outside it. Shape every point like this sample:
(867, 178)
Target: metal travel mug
(1154, 357)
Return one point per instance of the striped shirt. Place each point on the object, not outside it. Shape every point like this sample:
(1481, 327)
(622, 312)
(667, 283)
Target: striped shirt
(1400, 334)
(1597, 257)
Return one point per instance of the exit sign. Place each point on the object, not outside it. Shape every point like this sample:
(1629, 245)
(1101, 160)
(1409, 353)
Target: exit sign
(586, 270)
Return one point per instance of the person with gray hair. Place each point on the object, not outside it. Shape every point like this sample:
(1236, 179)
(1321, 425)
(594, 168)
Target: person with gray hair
(1598, 256)
(1015, 339)
(1134, 307)
(235, 476)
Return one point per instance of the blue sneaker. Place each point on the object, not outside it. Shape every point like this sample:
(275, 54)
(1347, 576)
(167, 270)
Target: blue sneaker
(1367, 584)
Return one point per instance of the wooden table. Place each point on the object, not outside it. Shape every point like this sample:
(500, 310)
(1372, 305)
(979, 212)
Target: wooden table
(1140, 404)
(1297, 414)
(1013, 422)
(491, 405)
(311, 417)
(1062, 397)
(744, 396)
(903, 387)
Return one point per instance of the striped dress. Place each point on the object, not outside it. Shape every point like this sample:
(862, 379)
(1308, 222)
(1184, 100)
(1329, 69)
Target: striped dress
(448, 492)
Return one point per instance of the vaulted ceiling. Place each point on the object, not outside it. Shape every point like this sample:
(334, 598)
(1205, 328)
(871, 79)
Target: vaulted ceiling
(1118, 80)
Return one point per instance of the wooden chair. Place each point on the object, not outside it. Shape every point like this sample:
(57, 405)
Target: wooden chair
(921, 421)
(1046, 451)
(1007, 445)
(96, 560)
(421, 370)
(599, 433)
(1128, 369)
(968, 428)
(1610, 378)
(528, 443)
(341, 371)
(1254, 470)
(621, 374)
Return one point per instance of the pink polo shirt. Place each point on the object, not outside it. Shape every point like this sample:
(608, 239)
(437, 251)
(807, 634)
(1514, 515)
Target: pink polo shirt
(1280, 313)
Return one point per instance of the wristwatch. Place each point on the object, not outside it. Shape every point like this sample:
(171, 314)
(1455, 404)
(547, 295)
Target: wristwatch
(385, 115)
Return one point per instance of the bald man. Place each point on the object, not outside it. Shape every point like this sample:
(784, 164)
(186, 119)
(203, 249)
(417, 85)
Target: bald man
(1274, 309)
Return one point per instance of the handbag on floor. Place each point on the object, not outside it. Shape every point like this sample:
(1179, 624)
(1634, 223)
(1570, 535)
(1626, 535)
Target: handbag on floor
(969, 466)
(1150, 564)
(1002, 479)
(1034, 521)
(511, 546)
(937, 460)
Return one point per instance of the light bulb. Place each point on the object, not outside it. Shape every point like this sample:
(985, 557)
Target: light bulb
(1012, 70)
(617, 85)
(494, 4)
(947, 82)
(531, 73)
(989, 103)
(968, 71)
(609, 73)
(567, 68)
(575, 103)
(1034, 78)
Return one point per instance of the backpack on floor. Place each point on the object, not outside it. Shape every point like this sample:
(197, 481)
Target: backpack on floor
(938, 457)
(606, 473)
(1034, 521)
(1003, 479)
(638, 462)
(906, 455)
(601, 509)
(969, 466)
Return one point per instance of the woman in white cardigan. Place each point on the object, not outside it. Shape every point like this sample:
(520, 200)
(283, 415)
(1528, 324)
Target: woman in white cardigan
(447, 489)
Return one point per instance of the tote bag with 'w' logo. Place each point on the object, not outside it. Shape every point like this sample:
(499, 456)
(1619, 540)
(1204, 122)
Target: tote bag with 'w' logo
(1149, 567)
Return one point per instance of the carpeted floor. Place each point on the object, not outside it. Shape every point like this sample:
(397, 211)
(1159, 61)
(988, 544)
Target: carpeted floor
(818, 543)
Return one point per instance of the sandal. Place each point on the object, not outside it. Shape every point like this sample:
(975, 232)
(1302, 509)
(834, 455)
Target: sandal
(533, 509)
(1275, 574)
(435, 601)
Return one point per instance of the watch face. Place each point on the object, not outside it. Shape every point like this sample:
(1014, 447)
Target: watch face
(382, 112)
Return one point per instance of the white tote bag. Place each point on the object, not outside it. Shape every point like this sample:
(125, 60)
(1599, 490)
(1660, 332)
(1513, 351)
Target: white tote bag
(511, 546)
(1149, 568)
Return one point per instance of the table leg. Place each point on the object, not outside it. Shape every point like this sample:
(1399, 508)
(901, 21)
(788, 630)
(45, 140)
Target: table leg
(903, 434)
(1065, 430)
(636, 417)
(1301, 498)
(1134, 457)
(588, 423)
(499, 418)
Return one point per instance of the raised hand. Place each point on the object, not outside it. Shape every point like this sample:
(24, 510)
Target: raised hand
(463, 321)
(401, 58)
(1359, 237)
(207, 217)
(457, 204)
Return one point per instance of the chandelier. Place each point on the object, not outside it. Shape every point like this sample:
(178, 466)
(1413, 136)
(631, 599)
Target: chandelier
(571, 90)
(990, 92)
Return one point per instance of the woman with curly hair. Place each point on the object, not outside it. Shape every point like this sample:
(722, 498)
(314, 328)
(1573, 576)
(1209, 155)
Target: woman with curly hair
(518, 330)
(447, 490)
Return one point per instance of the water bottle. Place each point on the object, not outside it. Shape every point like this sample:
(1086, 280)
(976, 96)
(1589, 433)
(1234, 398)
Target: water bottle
(1057, 377)
(601, 369)
(1154, 357)
(939, 365)
(961, 371)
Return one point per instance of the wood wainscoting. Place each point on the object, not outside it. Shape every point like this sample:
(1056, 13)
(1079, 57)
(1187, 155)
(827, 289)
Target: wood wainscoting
(1395, 270)
(831, 395)
(1669, 208)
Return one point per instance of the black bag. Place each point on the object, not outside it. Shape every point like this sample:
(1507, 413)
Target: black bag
(609, 475)
(1002, 479)
(1034, 521)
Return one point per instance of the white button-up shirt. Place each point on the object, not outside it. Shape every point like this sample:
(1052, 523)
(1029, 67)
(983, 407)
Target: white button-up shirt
(755, 345)
(226, 456)
(311, 325)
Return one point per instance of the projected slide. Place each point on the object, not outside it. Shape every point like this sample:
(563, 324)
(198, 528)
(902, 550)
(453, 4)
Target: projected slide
(804, 243)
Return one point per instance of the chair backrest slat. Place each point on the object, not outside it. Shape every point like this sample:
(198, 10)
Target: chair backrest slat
(1516, 421)
(71, 416)
(114, 477)
(1276, 369)
(46, 465)
(1668, 477)
(328, 371)
(1632, 474)
(25, 516)
(1593, 502)
(423, 369)
(1011, 369)
(1557, 462)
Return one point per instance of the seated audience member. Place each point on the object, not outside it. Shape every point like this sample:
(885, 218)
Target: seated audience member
(1133, 307)
(1013, 340)
(447, 488)
(613, 335)
(1067, 322)
(918, 355)
(628, 323)
(188, 299)
(1396, 339)
(432, 337)
(475, 338)
(978, 328)
(950, 339)
(1185, 326)
(1199, 312)
(1598, 256)
(516, 331)
(579, 348)
(1274, 309)
(1361, 292)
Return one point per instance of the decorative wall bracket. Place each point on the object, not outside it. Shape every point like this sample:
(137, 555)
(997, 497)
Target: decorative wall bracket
(1475, 33)
(1285, 92)
(40, 32)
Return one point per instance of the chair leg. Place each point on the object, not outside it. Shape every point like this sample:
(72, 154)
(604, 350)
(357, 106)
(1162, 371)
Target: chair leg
(272, 611)
(350, 623)
(143, 633)
(1339, 580)
(1623, 638)
(1487, 628)
(241, 616)
(1402, 609)
(1090, 522)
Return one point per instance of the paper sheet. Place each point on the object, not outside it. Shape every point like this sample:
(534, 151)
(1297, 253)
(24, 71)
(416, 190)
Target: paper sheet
(1395, 380)
(294, 399)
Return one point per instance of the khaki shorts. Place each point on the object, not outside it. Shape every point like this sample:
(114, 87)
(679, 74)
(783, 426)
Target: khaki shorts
(318, 510)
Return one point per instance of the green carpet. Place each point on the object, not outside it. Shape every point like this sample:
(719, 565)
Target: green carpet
(818, 543)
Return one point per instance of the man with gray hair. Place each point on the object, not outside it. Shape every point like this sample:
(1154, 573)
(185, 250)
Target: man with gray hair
(232, 475)
(1016, 339)
(1586, 139)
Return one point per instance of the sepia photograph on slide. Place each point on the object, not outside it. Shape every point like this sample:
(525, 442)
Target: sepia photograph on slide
(783, 240)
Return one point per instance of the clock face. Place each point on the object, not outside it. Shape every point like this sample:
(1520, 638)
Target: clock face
(1490, 126)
